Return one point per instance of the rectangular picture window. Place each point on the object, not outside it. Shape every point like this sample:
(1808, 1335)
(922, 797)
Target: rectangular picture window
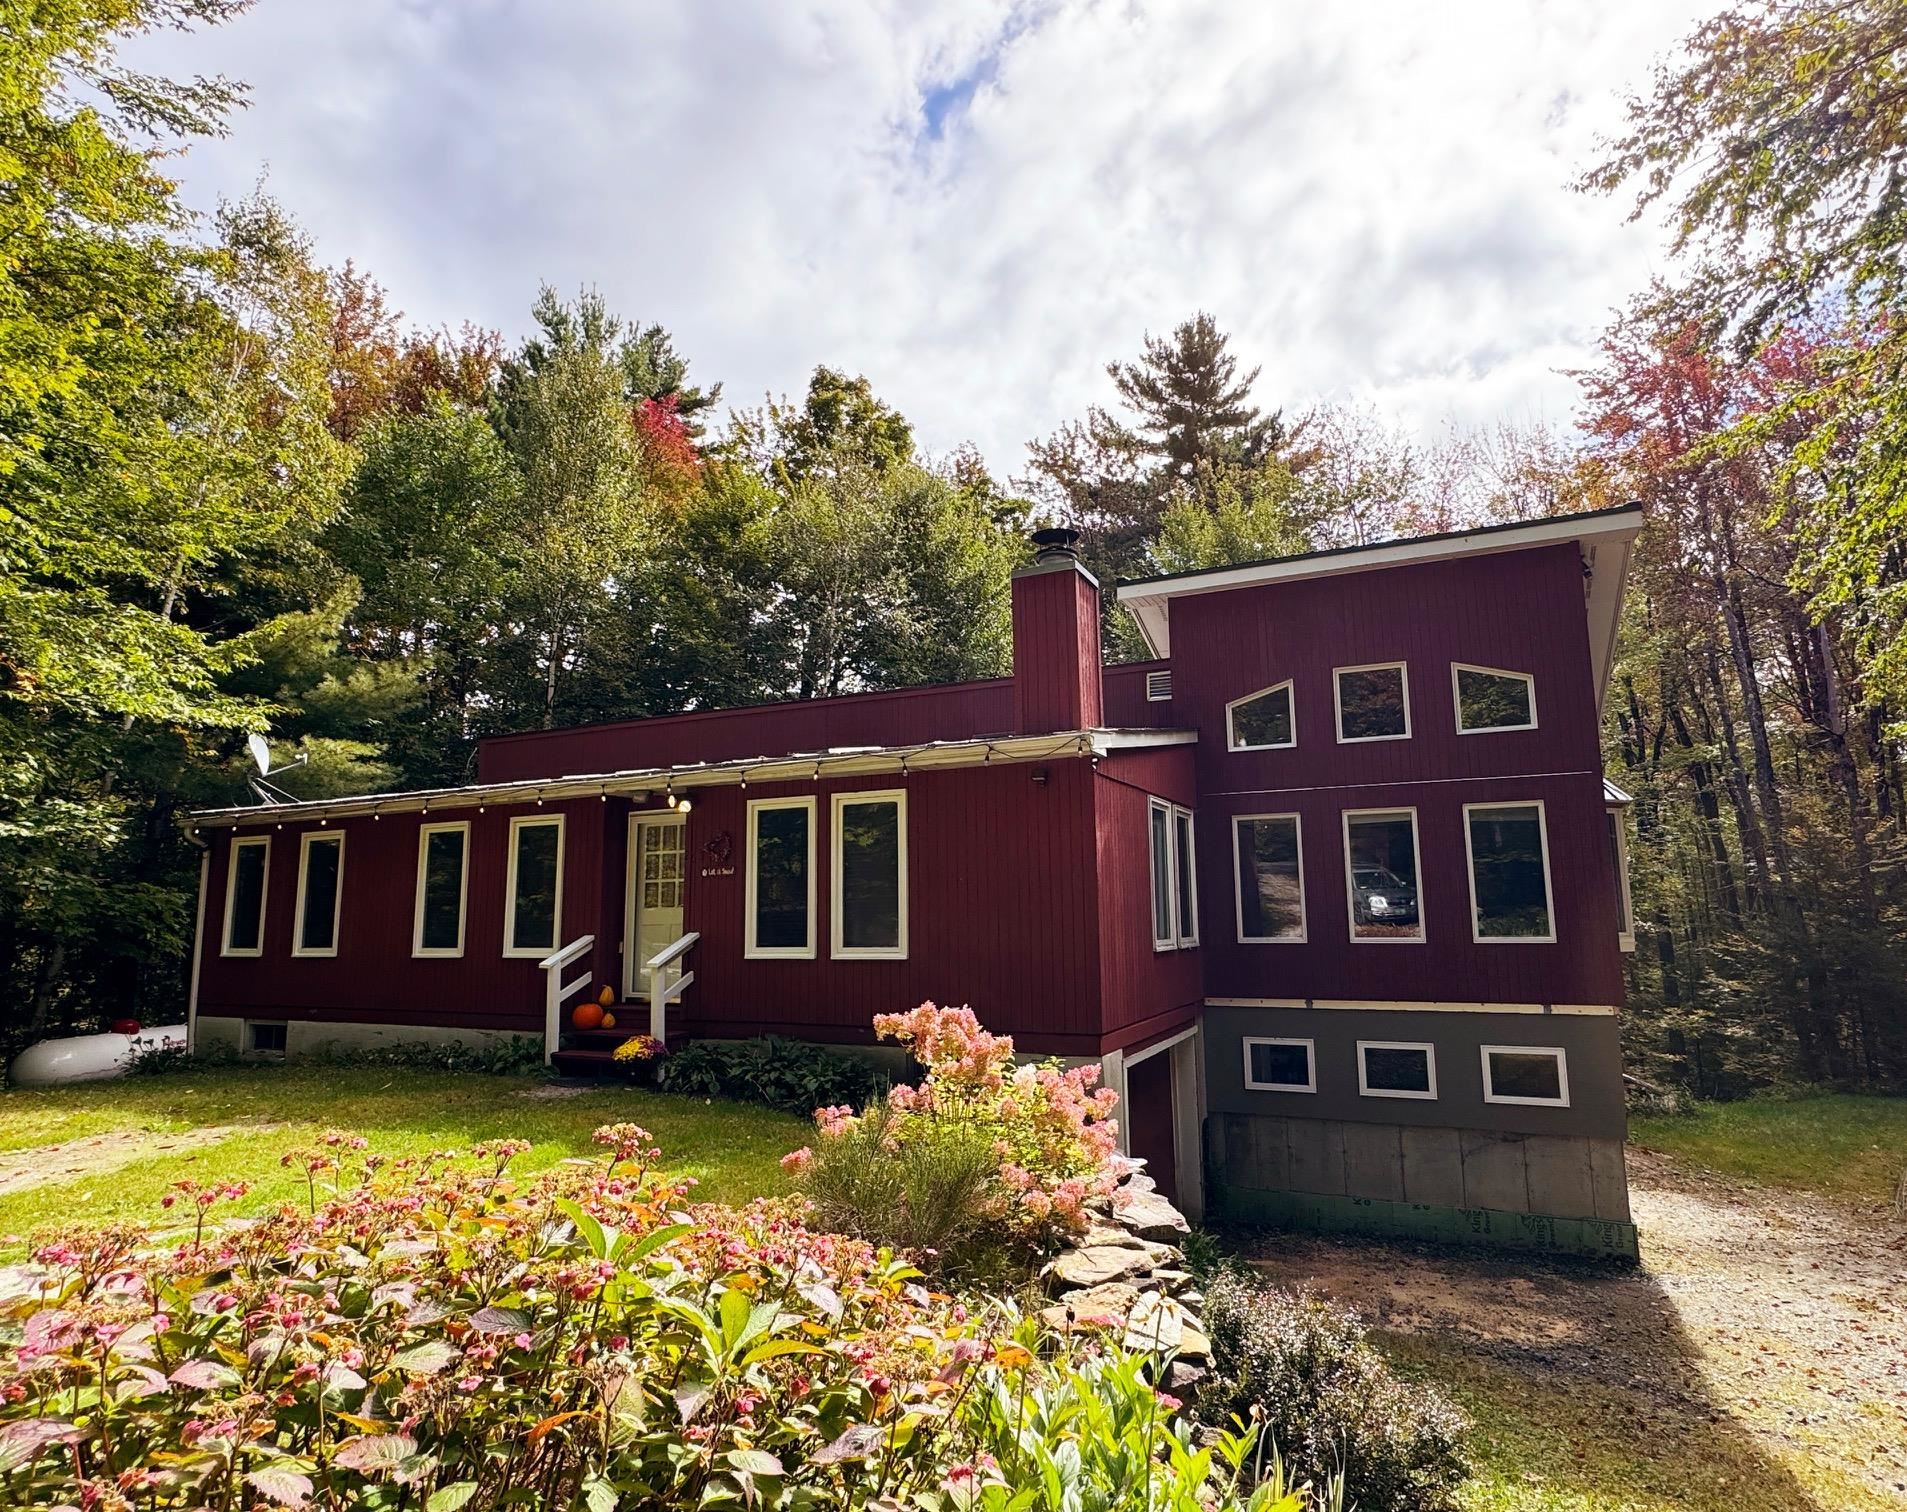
(1380, 863)
(1489, 699)
(1373, 703)
(1280, 1065)
(438, 929)
(1535, 1076)
(870, 875)
(320, 876)
(245, 881)
(1509, 873)
(1269, 872)
(1159, 817)
(1392, 1068)
(533, 895)
(1261, 721)
(780, 882)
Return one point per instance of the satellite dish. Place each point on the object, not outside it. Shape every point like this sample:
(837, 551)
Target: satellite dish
(261, 753)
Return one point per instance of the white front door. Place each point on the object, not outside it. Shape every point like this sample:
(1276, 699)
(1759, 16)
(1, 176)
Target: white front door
(654, 917)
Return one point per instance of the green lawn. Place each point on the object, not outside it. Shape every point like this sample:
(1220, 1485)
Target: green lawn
(1853, 1148)
(731, 1148)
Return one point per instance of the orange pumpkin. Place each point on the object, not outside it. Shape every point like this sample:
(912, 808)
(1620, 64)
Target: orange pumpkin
(587, 1016)
(606, 997)
(609, 1021)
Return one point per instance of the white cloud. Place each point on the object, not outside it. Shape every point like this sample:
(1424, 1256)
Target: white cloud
(976, 206)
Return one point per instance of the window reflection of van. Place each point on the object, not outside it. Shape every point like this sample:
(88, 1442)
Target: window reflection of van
(1380, 896)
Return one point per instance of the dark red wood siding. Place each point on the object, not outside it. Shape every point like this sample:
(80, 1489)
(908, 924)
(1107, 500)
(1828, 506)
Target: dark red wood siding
(1519, 611)
(1056, 662)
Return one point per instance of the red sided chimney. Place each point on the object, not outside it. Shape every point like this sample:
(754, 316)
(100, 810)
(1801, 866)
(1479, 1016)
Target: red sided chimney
(1056, 639)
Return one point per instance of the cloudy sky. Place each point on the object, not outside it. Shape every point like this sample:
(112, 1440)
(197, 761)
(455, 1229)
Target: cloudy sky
(976, 205)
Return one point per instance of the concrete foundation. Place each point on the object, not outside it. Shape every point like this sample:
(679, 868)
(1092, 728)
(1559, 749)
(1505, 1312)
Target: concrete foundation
(308, 1038)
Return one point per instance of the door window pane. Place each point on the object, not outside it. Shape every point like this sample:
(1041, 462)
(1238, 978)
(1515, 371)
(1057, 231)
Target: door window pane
(440, 925)
(869, 855)
(780, 864)
(1372, 704)
(1508, 877)
(1262, 721)
(1494, 700)
(1395, 1070)
(1279, 1065)
(318, 894)
(536, 878)
(1270, 878)
(245, 917)
(1381, 856)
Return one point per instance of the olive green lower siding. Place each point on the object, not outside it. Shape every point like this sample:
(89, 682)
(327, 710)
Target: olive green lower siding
(1610, 1238)
(1549, 1190)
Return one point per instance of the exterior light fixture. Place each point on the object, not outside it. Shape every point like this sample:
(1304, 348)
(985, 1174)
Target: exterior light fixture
(684, 806)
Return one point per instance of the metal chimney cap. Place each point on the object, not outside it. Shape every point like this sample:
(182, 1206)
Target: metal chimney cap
(1056, 541)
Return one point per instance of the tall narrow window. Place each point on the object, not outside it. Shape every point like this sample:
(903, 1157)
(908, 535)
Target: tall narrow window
(1373, 703)
(1262, 721)
(1159, 818)
(1380, 872)
(245, 881)
(1619, 868)
(780, 883)
(320, 880)
(1185, 868)
(870, 876)
(1509, 873)
(533, 892)
(438, 928)
(1269, 871)
(1489, 699)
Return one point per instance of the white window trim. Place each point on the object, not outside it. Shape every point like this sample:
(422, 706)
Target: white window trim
(1470, 865)
(231, 894)
(750, 950)
(1365, 1089)
(1310, 1061)
(1233, 743)
(441, 952)
(837, 877)
(532, 952)
(1456, 698)
(305, 841)
(1188, 865)
(1561, 1055)
(1337, 702)
(1168, 940)
(1238, 885)
(1625, 938)
(1350, 886)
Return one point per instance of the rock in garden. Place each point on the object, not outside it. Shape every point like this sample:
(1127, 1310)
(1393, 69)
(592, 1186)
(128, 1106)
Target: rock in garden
(1096, 1307)
(1184, 1375)
(1097, 1264)
(1150, 1216)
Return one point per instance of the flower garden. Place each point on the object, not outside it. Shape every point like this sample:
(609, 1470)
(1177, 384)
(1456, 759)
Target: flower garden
(437, 1331)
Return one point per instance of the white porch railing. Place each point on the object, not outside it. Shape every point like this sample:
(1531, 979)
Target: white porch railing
(665, 989)
(556, 993)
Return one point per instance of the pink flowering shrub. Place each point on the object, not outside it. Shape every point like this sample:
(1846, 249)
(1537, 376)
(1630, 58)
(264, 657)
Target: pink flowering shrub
(1041, 1137)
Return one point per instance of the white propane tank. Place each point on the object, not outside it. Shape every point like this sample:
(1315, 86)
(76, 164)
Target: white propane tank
(87, 1057)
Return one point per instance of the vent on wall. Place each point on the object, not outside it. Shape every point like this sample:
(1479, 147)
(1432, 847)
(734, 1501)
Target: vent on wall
(1159, 687)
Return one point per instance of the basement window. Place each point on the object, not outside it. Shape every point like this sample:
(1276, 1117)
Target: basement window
(1268, 872)
(1508, 846)
(1281, 1065)
(779, 888)
(264, 1039)
(869, 845)
(1261, 721)
(1373, 702)
(245, 881)
(1535, 1076)
(533, 893)
(1489, 699)
(320, 881)
(1397, 1068)
(438, 925)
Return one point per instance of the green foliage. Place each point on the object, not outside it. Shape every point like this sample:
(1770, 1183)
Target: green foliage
(1850, 1148)
(791, 1075)
(1304, 1371)
(925, 1194)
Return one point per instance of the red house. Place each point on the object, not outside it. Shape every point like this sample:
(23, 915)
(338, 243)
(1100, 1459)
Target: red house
(1333, 888)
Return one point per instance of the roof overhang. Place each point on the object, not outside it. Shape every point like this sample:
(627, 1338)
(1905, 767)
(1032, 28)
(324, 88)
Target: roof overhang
(838, 761)
(1604, 538)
